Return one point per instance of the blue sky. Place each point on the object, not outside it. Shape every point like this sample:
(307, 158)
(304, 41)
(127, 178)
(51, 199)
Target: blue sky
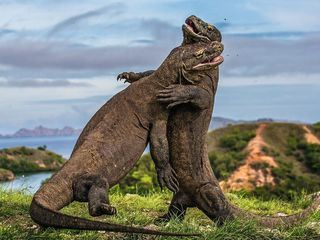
(59, 59)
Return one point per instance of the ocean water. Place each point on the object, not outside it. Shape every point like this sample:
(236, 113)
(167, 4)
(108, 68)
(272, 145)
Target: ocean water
(29, 183)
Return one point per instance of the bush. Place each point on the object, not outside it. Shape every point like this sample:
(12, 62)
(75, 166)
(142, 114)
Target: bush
(309, 154)
(223, 164)
(142, 178)
(18, 166)
(288, 183)
(42, 148)
(232, 155)
(236, 140)
(259, 165)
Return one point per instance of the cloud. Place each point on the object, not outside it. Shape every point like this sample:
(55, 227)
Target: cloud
(266, 56)
(294, 15)
(111, 9)
(38, 83)
(59, 55)
(244, 56)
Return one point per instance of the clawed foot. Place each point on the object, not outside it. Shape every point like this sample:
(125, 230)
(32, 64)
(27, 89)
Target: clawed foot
(168, 177)
(174, 95)
(169, 216)
(102, 209)
(124, 76)
(162, 219)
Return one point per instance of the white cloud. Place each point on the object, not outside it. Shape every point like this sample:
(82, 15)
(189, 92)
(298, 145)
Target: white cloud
(289, 15)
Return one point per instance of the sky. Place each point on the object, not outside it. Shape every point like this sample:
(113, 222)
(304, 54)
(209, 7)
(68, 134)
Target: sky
(59, 59)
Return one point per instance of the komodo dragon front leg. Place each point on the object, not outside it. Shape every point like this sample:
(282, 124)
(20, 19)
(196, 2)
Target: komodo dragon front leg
(131, 77)
(159, 151)
(172, 95)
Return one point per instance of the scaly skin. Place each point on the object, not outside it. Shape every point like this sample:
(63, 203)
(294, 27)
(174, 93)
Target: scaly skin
(111, 144)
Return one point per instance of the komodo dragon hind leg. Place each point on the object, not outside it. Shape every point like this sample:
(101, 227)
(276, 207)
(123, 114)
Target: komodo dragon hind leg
(94, 190)
(177, 209)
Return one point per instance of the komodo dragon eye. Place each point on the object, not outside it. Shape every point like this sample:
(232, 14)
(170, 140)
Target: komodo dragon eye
(199, 53)
(210, 28)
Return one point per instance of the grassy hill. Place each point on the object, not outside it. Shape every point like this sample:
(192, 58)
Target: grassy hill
(23, 159)
(137, 210)
(279, 161)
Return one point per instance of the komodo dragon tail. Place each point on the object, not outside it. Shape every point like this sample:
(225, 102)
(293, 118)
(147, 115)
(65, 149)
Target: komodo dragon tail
(44, 211)
(285, 221)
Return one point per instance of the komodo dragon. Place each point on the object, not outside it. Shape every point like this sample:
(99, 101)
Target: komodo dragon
(198, 187)
(187, 129)
(110, 149)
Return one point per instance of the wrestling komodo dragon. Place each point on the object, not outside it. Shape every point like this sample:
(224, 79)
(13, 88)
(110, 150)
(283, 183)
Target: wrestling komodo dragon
(198, 187)
(111, 147)
(187, 130)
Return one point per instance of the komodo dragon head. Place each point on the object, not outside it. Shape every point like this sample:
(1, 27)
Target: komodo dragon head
(192, 60)
(197, 30)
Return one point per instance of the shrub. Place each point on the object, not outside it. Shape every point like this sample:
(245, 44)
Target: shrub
(42, 148)
(236, 140)
(259, 165)
(142, 178)
(232, 155)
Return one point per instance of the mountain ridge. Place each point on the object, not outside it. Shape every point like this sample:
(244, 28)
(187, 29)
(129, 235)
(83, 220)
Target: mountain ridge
(41, 131)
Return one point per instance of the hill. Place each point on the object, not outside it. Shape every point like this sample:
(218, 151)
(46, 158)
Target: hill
(41, 131)
(266, 159)
(23, 159)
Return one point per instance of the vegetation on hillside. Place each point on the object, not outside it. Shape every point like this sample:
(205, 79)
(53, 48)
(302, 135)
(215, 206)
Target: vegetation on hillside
(15, 222)
(316, 129)
(142, 178)
(298, 162)
(24, 159)
(232, 151)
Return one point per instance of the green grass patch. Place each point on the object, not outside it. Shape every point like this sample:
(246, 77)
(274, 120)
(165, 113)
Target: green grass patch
(141, 210)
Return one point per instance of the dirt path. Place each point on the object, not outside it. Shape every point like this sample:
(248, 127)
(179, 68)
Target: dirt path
(251, 174)
(310, 137)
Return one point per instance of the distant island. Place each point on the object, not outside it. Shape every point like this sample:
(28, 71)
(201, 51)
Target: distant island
(41, 131)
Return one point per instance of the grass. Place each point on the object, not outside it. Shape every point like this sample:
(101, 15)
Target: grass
(138, 210)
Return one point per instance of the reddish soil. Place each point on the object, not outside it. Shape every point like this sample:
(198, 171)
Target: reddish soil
(248, 177)
(310, 137)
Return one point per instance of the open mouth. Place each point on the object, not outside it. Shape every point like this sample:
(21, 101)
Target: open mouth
(215, 61)
(192, 29)
(190, 24)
